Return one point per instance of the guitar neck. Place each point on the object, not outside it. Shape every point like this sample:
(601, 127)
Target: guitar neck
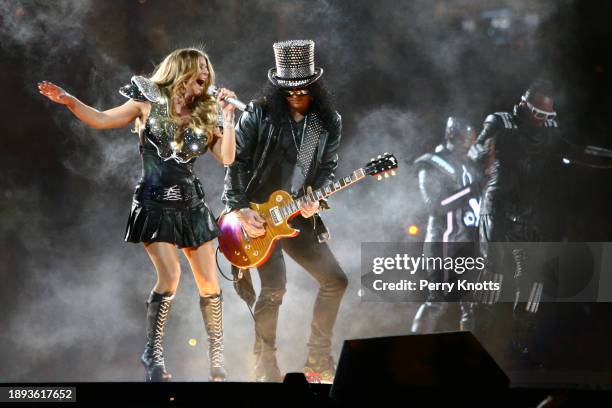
(321, 193)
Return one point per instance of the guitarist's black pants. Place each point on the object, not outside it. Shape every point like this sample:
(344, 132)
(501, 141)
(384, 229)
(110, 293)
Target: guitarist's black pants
(318, 260)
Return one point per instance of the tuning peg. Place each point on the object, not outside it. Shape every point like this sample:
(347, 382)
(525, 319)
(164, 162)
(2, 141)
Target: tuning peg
(379, 177)
(386, 175)
(393, 172)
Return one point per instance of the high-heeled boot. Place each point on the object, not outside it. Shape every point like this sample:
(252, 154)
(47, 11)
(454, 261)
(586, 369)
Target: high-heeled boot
(212, 313)
(158, 307)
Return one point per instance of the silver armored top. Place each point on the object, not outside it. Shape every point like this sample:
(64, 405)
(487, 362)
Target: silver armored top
(160, 128)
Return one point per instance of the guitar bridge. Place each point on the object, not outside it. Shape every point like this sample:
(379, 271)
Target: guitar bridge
(276, 216)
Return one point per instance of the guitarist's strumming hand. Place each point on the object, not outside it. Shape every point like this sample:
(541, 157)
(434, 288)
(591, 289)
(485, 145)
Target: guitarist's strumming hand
(307, 208)
(251, 222)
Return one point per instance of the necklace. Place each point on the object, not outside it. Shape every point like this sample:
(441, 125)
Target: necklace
(293, 134)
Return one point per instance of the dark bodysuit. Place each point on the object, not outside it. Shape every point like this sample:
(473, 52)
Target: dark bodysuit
(449, 185)
(522, 206)
(523, 189)
(519, 208)
(168, 204)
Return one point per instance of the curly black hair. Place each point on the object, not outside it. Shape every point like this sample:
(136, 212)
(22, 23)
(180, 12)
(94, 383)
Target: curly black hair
(321, 101)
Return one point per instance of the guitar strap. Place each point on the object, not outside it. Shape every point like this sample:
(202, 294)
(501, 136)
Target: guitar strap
(308, 145)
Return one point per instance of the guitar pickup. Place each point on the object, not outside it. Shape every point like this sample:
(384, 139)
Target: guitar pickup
(276, 216)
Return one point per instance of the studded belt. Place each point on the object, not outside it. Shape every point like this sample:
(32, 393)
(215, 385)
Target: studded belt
(175, 193)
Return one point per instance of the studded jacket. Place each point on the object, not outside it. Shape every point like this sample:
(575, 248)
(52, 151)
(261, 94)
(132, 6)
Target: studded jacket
(256, 136)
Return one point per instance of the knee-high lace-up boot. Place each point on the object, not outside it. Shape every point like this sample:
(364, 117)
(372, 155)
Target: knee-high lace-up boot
(158, 307)
(212, 313)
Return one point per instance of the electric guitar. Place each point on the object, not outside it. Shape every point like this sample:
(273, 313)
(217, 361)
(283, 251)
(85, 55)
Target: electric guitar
(243, 251)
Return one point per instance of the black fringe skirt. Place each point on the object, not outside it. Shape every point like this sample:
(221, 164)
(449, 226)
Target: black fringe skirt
(186, 224)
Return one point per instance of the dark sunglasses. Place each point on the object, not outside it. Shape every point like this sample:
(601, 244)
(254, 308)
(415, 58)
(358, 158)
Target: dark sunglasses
(297, 92)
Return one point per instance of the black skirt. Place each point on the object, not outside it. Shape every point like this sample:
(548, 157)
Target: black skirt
(186, 224)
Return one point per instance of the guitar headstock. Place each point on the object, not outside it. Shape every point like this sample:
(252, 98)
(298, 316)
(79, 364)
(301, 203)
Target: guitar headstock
(381, 166)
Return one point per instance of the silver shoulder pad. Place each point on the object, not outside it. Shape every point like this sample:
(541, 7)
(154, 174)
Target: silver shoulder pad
(148, 88)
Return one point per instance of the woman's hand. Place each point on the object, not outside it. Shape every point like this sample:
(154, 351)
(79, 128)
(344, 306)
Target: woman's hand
(307, 208)
(54, 92)
(225, 93)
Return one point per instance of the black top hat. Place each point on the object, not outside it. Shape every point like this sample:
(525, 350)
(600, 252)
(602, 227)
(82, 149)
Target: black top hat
(294, 64)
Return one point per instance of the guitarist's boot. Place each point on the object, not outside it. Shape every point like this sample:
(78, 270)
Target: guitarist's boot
(212, 313)
(158, 307)
(320, 368)
(266, 321)
(266, 367)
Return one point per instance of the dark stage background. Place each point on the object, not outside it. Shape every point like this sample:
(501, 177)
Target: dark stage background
(72, 292)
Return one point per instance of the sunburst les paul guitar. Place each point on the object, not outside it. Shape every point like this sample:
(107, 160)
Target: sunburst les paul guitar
(246, 252)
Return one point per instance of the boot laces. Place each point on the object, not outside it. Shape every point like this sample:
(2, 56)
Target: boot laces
(158, 332)
(215, 333)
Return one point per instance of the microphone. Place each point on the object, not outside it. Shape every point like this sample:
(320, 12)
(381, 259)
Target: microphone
(213, 91)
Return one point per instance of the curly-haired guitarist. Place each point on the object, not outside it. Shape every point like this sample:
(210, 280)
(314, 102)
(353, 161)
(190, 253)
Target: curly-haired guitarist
(289, 141)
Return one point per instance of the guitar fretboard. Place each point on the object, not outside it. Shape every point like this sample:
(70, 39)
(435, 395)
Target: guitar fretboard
(321, 193)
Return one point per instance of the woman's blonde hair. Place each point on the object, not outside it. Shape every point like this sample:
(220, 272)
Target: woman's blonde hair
(172, 74)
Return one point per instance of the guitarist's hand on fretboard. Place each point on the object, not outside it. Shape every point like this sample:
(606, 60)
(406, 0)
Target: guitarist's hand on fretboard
(309, 208)
(252, 223)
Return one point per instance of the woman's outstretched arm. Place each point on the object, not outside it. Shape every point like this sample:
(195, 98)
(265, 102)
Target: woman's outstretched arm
(117, 117)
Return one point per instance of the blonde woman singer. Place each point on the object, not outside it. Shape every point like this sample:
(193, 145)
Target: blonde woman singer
(176, 121)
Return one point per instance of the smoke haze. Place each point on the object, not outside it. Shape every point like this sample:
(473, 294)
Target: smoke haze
(73, 293)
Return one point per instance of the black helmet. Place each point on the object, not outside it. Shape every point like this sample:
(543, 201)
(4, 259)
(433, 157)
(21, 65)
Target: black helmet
(457, 129)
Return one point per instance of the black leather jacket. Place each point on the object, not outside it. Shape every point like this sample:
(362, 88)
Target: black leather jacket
(524, 179)
(256, 136)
